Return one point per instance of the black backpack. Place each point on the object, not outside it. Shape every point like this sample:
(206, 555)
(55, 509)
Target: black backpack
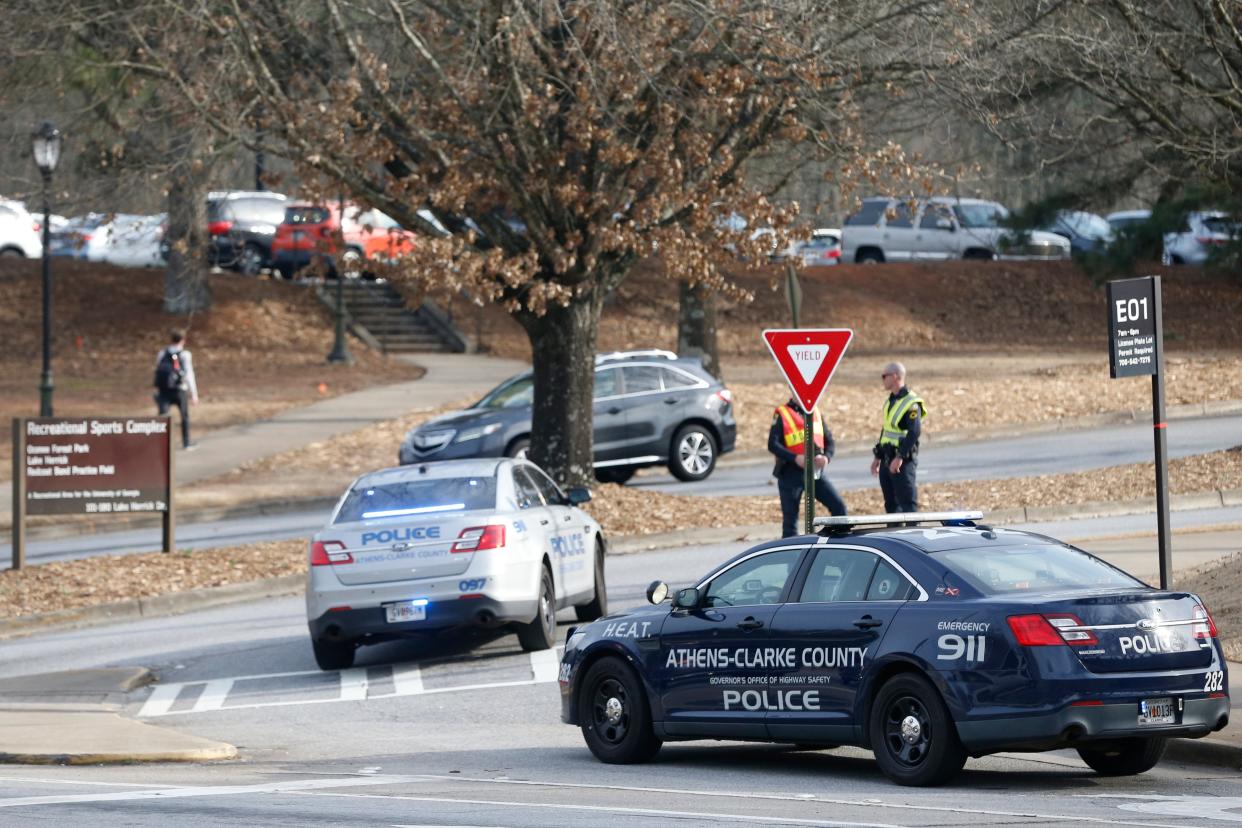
(169, 373)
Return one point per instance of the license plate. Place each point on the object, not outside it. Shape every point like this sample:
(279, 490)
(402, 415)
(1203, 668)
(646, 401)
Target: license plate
(1156, 711)
(298, 235)
(405, 611)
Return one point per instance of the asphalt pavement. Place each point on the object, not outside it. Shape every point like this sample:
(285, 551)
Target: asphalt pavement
(467, 733)
(1049, 452)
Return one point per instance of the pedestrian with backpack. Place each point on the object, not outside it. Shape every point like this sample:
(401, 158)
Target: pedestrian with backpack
(174, 380)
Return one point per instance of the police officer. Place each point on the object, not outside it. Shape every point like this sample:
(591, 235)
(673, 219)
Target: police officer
(897, 453)
(786, 441)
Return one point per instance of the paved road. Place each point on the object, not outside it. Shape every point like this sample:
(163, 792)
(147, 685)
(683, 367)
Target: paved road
(1053, 452)
(466, 733)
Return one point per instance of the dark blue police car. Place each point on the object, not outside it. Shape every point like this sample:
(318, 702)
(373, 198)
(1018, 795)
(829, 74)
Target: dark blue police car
(927, 640)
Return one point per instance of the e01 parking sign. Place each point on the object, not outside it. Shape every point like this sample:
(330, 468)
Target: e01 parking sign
(1133, 327)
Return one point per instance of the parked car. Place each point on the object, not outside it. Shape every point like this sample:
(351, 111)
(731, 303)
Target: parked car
(824, 248)
(133, 240)
(888, 229)
(651, 408)
(241, 225)
(1125, 219)
(19, 231)
(77, 237)
(1201, 233)
(1087, 232)
(308, 233)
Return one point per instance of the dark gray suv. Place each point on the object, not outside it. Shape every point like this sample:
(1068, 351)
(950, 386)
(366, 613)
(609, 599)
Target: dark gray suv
(651, 408)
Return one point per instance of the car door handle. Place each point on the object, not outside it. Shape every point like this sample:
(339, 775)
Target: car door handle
(543, 521)
(568, 518)
(867, 622)
(614, 410)
(670, 401)
(749, 623)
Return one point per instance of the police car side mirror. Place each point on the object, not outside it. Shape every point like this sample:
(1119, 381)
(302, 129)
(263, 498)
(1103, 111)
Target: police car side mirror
(578, 495)
(657, 592)
(687, 598)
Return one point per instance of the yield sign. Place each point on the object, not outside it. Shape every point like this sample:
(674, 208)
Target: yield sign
(808, 358)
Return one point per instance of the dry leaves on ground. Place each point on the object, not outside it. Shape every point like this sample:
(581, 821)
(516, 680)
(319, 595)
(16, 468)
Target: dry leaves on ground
(1219, 584)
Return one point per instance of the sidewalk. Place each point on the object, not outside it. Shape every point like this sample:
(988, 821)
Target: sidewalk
(449, 377)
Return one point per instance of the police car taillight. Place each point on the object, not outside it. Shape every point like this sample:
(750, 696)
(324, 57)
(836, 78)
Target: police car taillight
(329, 553)
(1047, 630)
(1207, 629)
(478, 538)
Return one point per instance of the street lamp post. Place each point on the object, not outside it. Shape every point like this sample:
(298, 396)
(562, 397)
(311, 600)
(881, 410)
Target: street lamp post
(45, 146)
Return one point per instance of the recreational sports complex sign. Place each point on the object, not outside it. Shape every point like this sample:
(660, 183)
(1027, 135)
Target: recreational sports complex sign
(90, 466)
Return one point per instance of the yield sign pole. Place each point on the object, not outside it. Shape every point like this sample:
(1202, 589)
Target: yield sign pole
(808, 357)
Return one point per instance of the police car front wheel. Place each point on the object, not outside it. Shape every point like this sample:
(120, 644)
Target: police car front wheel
(1126, 757)
(912, 735)
(614, 716)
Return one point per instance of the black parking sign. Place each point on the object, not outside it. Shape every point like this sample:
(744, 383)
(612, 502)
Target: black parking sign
(1133, 320)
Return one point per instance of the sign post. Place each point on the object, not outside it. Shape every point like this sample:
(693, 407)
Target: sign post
(1136, 348)
(808, 357)
(91, 466)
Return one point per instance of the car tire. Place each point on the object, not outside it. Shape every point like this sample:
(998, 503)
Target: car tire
(912, 735)
(251, 260)
(1126, 757)
(540, 633)
(333, 655)
(285, 271)
(519, 448)
(12, 253)
(597, 607)
(869, 257)
(979, 256)
(614, 715)
(694, 453)
(615, 474)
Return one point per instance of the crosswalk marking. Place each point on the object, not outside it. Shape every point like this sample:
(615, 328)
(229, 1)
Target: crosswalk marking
(544, 664)
(407, 679)
(354, 685)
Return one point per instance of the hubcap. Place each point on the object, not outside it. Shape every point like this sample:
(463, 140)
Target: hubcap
(522, 452)
(695, 452)
(907, 731)
(610, 717)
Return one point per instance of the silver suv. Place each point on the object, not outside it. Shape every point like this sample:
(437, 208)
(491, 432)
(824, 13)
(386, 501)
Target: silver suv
(898, 230)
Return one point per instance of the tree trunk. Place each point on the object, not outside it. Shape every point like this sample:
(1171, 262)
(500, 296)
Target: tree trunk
(185, 281)
(563, 347)
(696, 326)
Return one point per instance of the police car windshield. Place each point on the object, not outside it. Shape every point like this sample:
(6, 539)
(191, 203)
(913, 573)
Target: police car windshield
(417, 498)
(515, 393)
(1006, 570)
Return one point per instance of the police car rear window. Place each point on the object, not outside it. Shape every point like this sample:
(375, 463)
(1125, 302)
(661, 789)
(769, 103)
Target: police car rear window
(1007, 570)
(416, 498)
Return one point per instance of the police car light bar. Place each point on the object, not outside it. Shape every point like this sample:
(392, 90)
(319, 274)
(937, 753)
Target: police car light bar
(897, 518)
(651, 353)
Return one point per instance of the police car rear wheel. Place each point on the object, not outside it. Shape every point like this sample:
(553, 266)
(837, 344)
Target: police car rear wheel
(613, 714)
(598, 606)
(694, 453)
(1126, 757)
(914, 740)
(540, 634)
(333, 655)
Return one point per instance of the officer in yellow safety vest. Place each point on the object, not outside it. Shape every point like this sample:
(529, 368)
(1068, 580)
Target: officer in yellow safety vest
(897, 453)
(785, 440)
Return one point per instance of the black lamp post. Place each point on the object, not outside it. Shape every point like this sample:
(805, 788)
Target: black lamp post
(45, 145)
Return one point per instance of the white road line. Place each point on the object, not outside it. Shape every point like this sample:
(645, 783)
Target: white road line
(160, 700)
(407, 679)
(290, 786)
(545, 664)
(354, 684)
(45, 781)
(213, 695)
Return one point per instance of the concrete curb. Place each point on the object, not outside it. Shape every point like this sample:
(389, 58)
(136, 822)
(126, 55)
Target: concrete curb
(73, 735)
(156, 606)
(934, 438)
(1205, 751)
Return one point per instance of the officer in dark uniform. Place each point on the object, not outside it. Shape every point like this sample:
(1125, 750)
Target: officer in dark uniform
(897, 453)
(786, 441)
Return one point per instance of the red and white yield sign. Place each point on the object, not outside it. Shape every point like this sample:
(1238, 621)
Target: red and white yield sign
(808, 357)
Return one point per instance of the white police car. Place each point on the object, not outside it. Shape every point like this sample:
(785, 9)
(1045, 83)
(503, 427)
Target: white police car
(459, 543)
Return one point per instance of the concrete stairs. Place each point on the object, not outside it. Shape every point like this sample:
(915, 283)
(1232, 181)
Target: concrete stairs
(376, 313)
